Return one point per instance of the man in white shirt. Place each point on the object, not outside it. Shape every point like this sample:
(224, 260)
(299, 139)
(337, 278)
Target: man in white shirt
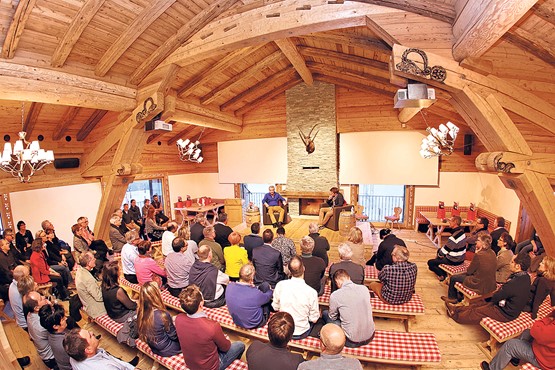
(298, 299)
(15, 298)
(167, 238)
(129, 253)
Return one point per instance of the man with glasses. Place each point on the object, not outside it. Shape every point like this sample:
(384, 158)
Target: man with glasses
(452, 253)
(482, 224)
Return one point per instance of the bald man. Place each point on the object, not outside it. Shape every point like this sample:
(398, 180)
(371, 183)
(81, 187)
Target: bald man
(332, 341)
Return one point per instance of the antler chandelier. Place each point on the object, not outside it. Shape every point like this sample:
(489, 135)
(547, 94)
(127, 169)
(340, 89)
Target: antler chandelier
(26, 157)
(439, 142)
(190, 151)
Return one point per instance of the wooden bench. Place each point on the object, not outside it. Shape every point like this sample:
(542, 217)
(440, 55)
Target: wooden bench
(454, 270)
(370, 273)
(404, 312)
(502, 331)
(470, 295)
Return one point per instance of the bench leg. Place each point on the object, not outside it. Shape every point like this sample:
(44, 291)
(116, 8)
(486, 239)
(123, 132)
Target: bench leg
(489, 347)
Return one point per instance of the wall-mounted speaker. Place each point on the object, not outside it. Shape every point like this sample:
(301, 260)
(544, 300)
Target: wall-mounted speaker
(468, 141)
(66, 163)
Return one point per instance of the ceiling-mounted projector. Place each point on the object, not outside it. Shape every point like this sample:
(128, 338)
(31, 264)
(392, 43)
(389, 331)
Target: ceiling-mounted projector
(158, 125)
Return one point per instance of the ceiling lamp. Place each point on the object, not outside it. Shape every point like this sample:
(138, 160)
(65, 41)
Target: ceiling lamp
(26, 158)
(189, 150)
(439, 142)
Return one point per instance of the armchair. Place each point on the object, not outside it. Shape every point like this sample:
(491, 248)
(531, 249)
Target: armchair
(333, 222)
(266, 217)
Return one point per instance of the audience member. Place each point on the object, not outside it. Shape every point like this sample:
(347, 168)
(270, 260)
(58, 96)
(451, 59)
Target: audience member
(280, 331)
(178, 264)
(504, 257)
(222, 231)
(397, 281)
(332, 342)
(146, 206)
(480, 275)
(55, 258)
(321, 244)
(482, 224)
(507, 302)
(498, 230)
(452, 253)
(135, 213)
(123, 229)
(335, 199)
(202, 339)
(355, 271)
(116, 237)
(272, 202)
(152, 230)
(253, 240)
(299, 300)
(218, 258)
(7, 264)
(80, 244)
(155, 323)
(314, 267)
(267, 261)
(88, 288)
(533, 245)
(355, 241)
(383, 255)
(126, 218)
(235, 256)
(53, 318)
(248, 305)
(42, 273)
(543, 286)
(59, 252)
(192, 247)
(129, 254)
(32, 303)
(208, 278)
(351, 310)
(197, 228)
(285, 246)
(167, 237)
(161, 218)
(23, 241)
(15, 297)
(19, 256)
(146, 268)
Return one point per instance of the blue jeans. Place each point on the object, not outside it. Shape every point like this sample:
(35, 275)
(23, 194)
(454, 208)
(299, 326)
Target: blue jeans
(235, 351)
(520, 348)
(328, 320)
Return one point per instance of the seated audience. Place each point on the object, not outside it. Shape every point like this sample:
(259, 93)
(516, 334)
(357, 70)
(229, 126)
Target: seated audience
(23, 241)
(167, 237)
(192, 246)
(504, 257)
(506, 304)
(543, 286)
(533, 245)
(53, 318)
(482, 224)
(42, 273)
(155, 323)
(285, 246)
(60, 250)
(82, 347)
(122, 227)
(80, 244)
(252, 240)
(248, 305)
(32, 303)
(7, 264)
(480, 275)
(350, 309)
(314, 267)
(129, 254)
(267, 261)
(452, 253)
(117, 237)
(280, 331)
(152, 230)
(218, 258)
(396, 285)
(299, 300)
(118, 305)
(355, 271)
(88, 287)
(197, 227)
(202, 339)
(355, 241)
(146, 268)
(383, 255)
(235, 256)
(498, 230)
(127, 220)
(55, 258)
(321, 244)
(15, 297)
(535, 345)
(178, 264)
(222, 231)
(208, 278)
(332, 342)
(135, 214)
(19, 256)
(272, 202)
(146, 206)
(161, 218)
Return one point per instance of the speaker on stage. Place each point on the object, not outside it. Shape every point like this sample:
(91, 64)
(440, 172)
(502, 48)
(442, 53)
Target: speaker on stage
(468, 141)
(66, 163)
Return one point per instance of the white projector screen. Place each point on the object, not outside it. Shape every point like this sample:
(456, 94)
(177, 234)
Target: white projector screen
(257, 161)
(385, 157)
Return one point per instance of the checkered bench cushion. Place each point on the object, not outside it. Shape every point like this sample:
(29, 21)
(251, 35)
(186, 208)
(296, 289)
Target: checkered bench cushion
(107, 323)
(453, 270)
(528, 366)
(370, 273)
(130, 285)
(170, 301)
(386, 346)
(413, 307)
(503, 331)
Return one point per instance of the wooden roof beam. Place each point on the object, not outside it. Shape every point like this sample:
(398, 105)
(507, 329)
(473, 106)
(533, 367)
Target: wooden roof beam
(336, 80)
(349, 39)
(545, 12)
(380, 32)
(90, 124)
(289, 49)
(64, 124)
(480, 24)
(74, 31)
(131, 33)
(532, 44)
(268, 96)
(189, 29)
(380, 85)
(440, 12)
(201, 116)
(32, 118)
(17, 25)
(183, 133)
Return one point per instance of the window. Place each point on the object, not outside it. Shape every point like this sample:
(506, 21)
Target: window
(380, 200)
(143, 189)
(254, 193)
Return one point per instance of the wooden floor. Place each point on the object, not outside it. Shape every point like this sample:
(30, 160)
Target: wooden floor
(457, 342)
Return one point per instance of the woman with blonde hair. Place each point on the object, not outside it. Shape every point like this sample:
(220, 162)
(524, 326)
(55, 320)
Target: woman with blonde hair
(542, 286)
(354, 240)
(235, 256)
(155, 323)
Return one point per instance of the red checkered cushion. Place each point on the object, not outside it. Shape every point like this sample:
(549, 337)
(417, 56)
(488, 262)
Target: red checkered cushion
(127, 283)
(453, 270)
(370, 273)
(414, 306)
(171, 301)
(528, 366)
(107, 323)
(503, 331)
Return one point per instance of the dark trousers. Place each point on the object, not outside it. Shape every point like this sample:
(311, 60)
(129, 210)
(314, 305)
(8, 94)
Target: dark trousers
(452, 292)
(475, 312)
(175, 291)
(433, 265)
(131, 278)
(216, 302)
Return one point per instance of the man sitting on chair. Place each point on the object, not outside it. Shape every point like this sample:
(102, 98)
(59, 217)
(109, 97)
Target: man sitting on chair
(334, 200)
(271, 201)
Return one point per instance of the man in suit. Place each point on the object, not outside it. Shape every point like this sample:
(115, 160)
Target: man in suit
(498, 229)
(197, 229)
(222, 230)
(267, 261)
(253, 240)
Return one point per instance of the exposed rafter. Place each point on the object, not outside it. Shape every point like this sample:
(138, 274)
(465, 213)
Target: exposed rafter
(32, 118)
(347, 83)
(546, 13)
(532, 44)
(181, 134)
(380, 85)
(64, 124)
(380, 32)
(194, 114)
(91, 123)
(17, 25)
(433, 9)
(289, 49)
(268, 96)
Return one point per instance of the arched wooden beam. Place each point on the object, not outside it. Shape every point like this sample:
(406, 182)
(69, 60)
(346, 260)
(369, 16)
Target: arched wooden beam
(17, 25)
(290, 50)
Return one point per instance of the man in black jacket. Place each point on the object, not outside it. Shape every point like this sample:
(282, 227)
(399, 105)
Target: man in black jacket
(208, 278)
(386, 247)
(334, 200)
(253, 240)
(498, 230)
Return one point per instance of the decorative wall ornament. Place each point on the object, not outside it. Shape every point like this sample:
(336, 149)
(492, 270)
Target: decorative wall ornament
(308, 140)
(502, 166)
(148, 106)
(436, 73)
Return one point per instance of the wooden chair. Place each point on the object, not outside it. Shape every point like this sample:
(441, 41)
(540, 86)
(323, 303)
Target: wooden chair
(395, 218)
(3, 314)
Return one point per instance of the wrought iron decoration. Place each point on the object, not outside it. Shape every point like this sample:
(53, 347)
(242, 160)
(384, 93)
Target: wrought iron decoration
(308, 140)
(504, 167)
(436, 73)
(146, 110)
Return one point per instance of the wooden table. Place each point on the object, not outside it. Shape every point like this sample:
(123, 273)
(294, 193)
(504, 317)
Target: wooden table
(435, 237)
(200, 209)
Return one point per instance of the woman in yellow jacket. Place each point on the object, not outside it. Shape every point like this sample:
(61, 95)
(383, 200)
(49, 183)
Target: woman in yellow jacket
(235, 256)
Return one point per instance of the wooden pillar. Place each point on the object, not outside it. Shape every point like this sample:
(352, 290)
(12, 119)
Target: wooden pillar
(113, 191)
(7, 219)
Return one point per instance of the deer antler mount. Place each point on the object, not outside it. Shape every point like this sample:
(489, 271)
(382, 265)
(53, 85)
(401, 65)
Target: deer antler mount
(308, 140)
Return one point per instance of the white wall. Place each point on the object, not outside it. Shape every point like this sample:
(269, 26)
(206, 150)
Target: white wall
(61, 205)
(198, 185)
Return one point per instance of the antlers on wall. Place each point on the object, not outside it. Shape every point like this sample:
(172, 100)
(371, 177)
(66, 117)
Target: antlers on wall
(308, 140)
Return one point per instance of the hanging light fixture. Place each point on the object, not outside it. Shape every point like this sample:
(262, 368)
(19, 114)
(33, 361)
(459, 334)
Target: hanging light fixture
(189, 150)
(26, 157)
(439, 141)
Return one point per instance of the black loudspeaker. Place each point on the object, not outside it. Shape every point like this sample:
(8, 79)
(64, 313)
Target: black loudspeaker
(468, 141)
(66, 163)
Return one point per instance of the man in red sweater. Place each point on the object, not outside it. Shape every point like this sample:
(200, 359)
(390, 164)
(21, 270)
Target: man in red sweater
(535, 345)
(202, 339)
